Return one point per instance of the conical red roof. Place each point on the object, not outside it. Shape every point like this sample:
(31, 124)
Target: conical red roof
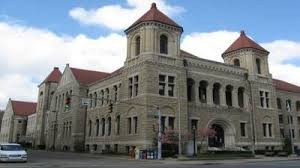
(155, 15)
(54, 76)
(244, 42)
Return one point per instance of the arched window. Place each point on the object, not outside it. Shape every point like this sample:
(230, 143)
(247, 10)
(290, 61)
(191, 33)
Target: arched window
(90, 128)
(258, 66)
(298, 105)
(202, 91)
(288, 105)
(107, 95)
(228, 93)
(109, 126)
(241, 97)
(95, 99)
(118, 125)
(278, 103)
(137, 45)
(190, 89)
(103, 126)
(97, 127)
(216, 93)
(163, 44)
(102, 97)
(236, 62)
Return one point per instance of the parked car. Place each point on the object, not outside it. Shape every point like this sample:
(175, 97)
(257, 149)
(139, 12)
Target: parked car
(12, 152)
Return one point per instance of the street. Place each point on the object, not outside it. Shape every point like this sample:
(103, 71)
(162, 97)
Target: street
(45, 159)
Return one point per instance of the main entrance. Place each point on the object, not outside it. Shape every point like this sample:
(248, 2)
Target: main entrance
(218, 140)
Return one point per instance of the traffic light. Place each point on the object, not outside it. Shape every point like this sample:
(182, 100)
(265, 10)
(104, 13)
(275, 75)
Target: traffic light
(68, 103)
(110, 107)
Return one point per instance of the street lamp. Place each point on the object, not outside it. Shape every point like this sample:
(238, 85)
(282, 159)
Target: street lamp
(194, 139)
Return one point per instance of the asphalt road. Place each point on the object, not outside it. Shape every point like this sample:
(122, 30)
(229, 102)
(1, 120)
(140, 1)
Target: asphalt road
(38, 159)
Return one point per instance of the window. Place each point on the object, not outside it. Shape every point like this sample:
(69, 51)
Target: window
(171, 123)
(190, 89)
(280, 117)
(228, 93)
(137, 45)
(297, 105)
(168, 81)
(136, 85)
(243, 129)
(241, 97)
(163, 44)
(97, 127)
(103, 126)
(202, 91)
(194, 124)
(116, 93)
(293, 133)
(162, 84)
(95, 99)
(130, 87)
(90, 128)
(288, 105)
(118, 125)
(236, 62)
(107, 95)
(278, 103)
(216, 93)
(267, 130)
(264, 99)
(102, 97)
(135, 121)
(129, 125)
(91, 100)
(258, 66)
(163, 121)
(298, 119)
(109, 126)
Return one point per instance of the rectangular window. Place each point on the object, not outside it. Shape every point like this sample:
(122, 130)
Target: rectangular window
(288, 105)
(162, 85)
(163, 121)
(267, 99)
(135, 121)
(293, 133)
(171, 123)
(136, 85)
(265, 130)
(130, 87)
(270, 130)
(262, 99)
(171, 86)
(280, 116)
(118, 125)
(129, 125)
(166, 81)
(243, 129)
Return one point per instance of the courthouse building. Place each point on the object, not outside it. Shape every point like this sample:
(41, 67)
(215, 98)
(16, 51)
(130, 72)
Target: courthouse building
(239, 99)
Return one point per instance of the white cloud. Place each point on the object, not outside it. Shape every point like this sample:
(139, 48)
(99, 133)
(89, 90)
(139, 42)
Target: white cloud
(211, 45)
(28, 54)
(116, 17)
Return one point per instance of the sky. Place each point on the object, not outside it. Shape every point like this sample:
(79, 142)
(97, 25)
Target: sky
(36, 36)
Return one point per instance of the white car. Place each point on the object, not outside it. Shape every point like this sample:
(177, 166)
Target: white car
(12, 152)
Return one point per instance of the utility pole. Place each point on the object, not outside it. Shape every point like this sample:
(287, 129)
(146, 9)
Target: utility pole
(159, 135)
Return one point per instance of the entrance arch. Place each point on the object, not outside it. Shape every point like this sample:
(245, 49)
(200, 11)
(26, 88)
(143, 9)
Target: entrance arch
(225, 134)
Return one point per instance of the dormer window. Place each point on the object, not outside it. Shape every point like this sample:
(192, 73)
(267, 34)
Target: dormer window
(137, 45)
(258, 66)
(163, 44)
(236, 62)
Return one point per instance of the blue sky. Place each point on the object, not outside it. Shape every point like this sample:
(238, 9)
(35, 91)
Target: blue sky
(37, 35)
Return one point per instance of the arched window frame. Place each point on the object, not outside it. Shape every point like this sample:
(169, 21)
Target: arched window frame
(258, 65)
(236, 62)
(216, 93)
(228, 93)
(163, 44)
(137, 41)
(241, 100)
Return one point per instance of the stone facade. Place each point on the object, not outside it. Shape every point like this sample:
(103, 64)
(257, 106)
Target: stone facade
(101, 112)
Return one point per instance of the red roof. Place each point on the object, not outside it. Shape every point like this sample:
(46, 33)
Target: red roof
(244, 42)
(54, 76)
(155, 15)
(285, 86)
(22, 108)
(86, 77)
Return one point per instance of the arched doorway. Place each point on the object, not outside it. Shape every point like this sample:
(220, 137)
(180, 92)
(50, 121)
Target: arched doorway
(219, 139)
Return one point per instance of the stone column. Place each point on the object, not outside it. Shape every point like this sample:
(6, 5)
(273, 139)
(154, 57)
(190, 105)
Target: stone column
(222, 96)
(235, 97)
(209, 95)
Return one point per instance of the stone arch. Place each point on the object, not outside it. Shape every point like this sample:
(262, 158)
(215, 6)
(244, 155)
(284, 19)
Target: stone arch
(229, 131)
(190, 89)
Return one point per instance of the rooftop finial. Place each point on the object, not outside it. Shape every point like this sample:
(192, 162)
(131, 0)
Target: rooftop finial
(243, 33)
(153, 5)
